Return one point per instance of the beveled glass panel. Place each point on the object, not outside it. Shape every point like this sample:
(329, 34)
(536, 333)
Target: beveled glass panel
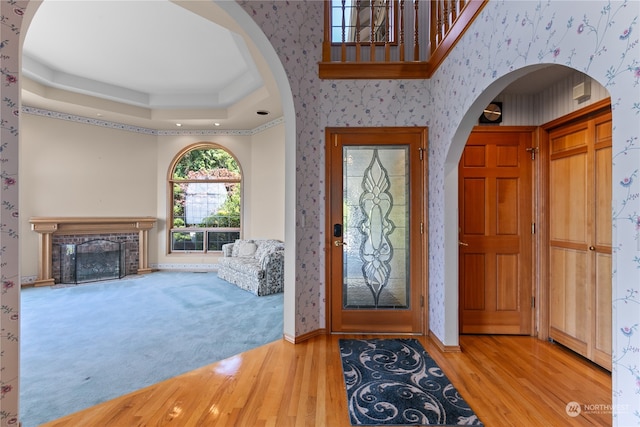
(376, 227)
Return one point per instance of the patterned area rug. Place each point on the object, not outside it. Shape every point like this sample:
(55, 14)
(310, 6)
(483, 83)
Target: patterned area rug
(396, 382)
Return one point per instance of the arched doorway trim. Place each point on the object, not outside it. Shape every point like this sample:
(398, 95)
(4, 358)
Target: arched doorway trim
(257, 38)
(451, 194)
(271, 57)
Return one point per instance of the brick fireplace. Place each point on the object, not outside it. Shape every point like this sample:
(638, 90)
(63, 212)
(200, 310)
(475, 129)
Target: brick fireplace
(74, 256)
(131, 232)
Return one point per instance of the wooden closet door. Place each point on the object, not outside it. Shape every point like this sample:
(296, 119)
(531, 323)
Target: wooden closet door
(580, 237)
(569, 216)
(602, 242)
(495, 232)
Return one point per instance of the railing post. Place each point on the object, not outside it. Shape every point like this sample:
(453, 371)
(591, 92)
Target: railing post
(358, 45)
(416, 41)
(372, 31)
(433, 26)
(447, 21)
(326, 42)
(401, 30)
(343, 51)
(446, 16)
(387, 38)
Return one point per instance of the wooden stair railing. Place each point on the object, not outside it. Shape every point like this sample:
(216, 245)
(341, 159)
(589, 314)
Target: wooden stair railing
(398, 34)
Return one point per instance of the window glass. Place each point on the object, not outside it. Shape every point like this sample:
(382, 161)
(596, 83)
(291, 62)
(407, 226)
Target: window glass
(206, 195)
(351, 21)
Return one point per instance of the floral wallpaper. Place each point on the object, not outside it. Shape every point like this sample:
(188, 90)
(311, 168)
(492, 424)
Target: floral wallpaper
(599, 38)
(11, 13)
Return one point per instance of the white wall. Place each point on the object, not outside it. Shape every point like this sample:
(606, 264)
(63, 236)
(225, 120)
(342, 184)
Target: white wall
(75, 169)
(168, 148)
(258, 155)
(267, 161)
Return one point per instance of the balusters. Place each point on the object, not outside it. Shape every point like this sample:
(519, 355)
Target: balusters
(358, 45)
(446, 16)
(416, 37)
(396, 34)
(454, 10)
(433, 25)
(372, 31)
(343, 50)
(387, 35)
(401, 31)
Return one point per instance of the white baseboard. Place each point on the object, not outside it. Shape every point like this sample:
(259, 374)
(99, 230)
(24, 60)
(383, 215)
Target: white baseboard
(29, 280)
(185, 267)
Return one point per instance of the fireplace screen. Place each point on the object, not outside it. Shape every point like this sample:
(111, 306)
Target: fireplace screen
(92, 261)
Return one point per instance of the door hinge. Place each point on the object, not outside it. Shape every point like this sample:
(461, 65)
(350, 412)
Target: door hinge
(421, 301)
(532, 151)
(422, 228)
(421, 151)
(533, 228)
(533, 302)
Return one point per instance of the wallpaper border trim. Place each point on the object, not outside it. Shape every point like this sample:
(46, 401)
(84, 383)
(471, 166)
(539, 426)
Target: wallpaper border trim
(138, 129)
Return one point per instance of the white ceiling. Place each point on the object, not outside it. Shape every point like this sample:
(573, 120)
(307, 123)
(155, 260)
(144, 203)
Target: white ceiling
(150, 63)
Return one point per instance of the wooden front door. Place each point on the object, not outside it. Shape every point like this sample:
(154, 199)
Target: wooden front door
(495, 197)
(375, 243)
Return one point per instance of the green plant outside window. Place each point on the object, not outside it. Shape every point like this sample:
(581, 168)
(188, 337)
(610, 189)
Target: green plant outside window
(206, 192)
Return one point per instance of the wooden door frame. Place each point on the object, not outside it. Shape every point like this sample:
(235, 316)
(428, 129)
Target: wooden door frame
(542, 212)
(533, 131)
(328, 238)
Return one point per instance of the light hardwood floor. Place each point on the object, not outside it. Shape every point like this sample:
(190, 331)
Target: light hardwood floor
(507, 380)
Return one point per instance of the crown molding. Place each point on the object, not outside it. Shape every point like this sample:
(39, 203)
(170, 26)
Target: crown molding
(147, 131)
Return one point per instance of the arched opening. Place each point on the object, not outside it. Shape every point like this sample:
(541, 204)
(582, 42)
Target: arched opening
(494, 91)
(205, 203)
(257, 37)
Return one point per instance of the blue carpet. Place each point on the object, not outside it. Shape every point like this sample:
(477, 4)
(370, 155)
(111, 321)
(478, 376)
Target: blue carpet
(396, 382)
(85, 344)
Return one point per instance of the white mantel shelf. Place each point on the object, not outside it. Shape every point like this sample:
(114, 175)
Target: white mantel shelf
(46, 227)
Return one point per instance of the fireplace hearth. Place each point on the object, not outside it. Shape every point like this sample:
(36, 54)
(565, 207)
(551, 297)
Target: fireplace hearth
(92, 261)
(53, 232)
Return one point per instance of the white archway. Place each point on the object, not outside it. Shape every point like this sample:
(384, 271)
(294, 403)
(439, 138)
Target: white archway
(271, 57)
(246, 25)
(258, 38)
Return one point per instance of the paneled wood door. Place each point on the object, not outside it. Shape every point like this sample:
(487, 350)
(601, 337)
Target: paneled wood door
(495, 199)
(579, 219)
(376, 243)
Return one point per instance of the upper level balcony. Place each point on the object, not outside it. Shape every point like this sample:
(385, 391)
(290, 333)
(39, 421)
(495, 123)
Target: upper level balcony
(391, 39)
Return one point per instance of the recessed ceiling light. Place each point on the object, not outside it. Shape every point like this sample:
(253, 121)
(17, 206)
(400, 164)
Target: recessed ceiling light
(262, 112)
(99, 115)
(178, 124)
(216, 124)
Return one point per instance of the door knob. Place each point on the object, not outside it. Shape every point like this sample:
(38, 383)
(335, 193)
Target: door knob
(462, 243)
(592, 248)
(339, 243)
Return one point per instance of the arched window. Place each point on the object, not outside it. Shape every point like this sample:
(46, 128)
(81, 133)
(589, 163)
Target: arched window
(205, 183)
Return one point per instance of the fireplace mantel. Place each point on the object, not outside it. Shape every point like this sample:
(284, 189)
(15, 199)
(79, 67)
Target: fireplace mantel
(46, 227)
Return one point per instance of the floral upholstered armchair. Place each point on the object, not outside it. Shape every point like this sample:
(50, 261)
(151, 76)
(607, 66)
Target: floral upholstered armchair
(255, 265)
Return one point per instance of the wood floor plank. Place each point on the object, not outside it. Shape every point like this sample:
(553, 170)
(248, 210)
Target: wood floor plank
(507, 380)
